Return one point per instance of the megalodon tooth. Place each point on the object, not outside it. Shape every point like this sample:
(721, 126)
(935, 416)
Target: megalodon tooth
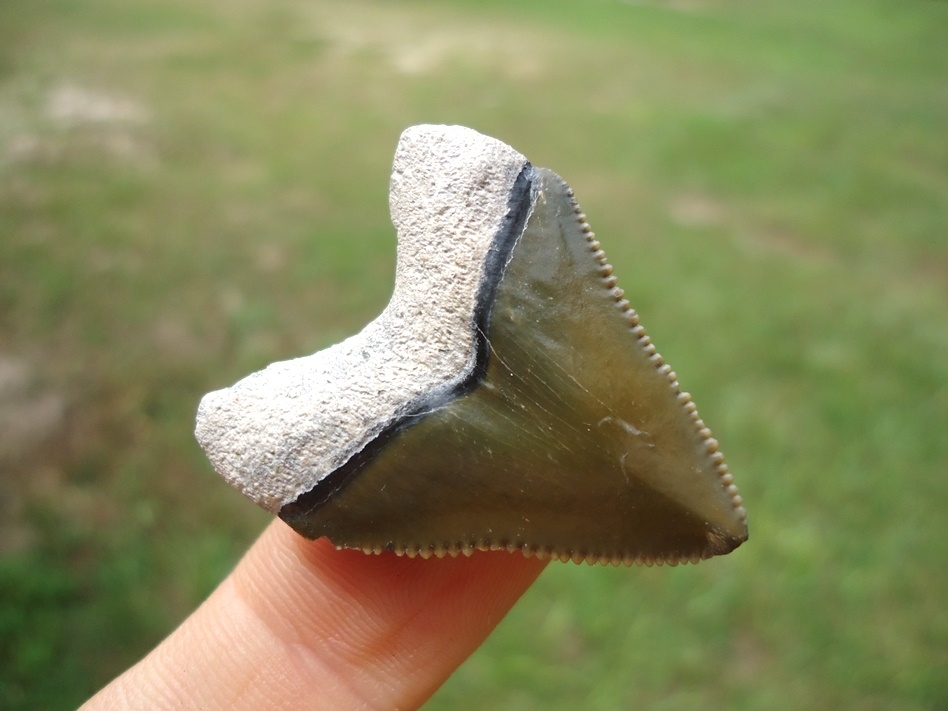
(506, 398)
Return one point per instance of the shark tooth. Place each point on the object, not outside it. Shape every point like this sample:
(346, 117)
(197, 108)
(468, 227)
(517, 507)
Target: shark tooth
(507, 398)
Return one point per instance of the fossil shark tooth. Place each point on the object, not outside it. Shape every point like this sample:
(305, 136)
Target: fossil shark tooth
(506, 398)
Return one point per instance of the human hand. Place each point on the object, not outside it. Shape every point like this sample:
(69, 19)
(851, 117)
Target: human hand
(301, 625)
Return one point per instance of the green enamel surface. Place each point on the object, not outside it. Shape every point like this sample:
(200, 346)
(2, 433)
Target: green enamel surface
(574, 442)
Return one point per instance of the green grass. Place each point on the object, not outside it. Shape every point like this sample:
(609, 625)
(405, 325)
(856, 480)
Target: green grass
(770, 180)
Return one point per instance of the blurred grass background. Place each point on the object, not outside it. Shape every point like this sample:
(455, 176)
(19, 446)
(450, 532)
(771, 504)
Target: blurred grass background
(190, 190)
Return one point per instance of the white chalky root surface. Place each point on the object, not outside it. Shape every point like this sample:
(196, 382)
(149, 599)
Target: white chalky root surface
(275, 434)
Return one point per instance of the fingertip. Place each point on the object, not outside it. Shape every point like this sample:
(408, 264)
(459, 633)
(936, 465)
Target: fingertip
(394, 623)
(300, 624)
(288, 578)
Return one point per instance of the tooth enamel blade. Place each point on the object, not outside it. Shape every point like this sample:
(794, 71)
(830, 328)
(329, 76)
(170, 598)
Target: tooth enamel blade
(576, 441)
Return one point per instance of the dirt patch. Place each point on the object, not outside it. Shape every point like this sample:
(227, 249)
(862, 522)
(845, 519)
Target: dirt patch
(784, 244)
(29, 415)
(700, 211)
(71, 105)
(694, 210)
(416, 43)
(71, 117)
